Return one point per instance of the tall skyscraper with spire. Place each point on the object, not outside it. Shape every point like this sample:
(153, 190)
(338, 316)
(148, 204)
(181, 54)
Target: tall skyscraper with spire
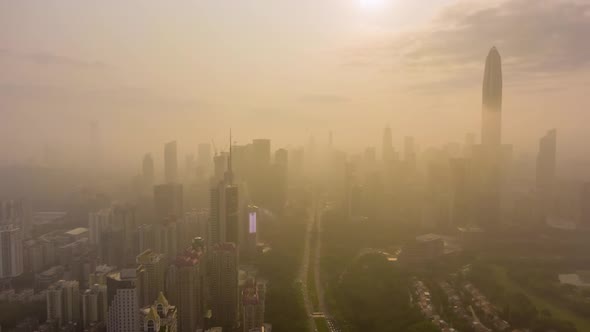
(224, 217)
(491, 122)
(490, 156)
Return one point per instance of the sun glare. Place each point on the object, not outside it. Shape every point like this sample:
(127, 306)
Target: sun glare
(371, 4)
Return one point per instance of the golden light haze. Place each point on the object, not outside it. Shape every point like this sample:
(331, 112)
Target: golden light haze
(152, 71)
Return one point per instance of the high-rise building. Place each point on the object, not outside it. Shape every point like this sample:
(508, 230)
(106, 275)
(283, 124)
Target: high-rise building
(410, 152)
(63, 302)
(94, 305)
(11, 251)
(220, 162)
(387, 151)
(224, 213)
(170, 162)
(258, 180)
(159, 317)
(98, 224)
(146, 237)
(112, 231)
(154, 267)
(124, 221)
(488, 158)
(186, 286)
(204, 159)
(546, 161)
(166, 238)
(123, 300)
(168, 202)
(261, 152)
(491, 130)
(280, 173)
(250, 235)
(224, 285)
(16, 212)
(190, 167)
(282, 157)
(148, 170)
(253, 304)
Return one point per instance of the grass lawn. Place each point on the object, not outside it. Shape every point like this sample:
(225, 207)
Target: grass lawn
(321, 324)
(581, 323)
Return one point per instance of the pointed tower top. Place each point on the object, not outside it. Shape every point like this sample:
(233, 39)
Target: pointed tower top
(163, 300)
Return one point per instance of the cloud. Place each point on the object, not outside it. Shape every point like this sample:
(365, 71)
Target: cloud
(318, 98)
(45, 58)
(536, 38)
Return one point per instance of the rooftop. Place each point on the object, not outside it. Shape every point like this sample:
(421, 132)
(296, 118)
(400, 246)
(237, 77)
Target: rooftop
(77, 231)
(428, 237)
(189, 257)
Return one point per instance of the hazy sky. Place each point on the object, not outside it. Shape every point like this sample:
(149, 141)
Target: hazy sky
(151, 71)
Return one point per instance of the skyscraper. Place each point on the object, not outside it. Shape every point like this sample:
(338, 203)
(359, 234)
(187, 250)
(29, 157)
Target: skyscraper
(123, 300)
(250, 234)
(546, 160)
(154, 267)
(63, 302)
(261, 151)
(94, 305)
(224, 285)
(17, 212)
(489, 157)
(11, 251)
(168, 202)
(491, 125)
(253, 298)
(387, 152)
(224, 217)
(148, 170)
(186, 286)
(170, 162)
(220, 162)
(204, 158)
(280, 179)
(98, 224)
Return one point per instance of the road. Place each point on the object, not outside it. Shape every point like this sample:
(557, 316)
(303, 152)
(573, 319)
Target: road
(303, 274)
(322, 308)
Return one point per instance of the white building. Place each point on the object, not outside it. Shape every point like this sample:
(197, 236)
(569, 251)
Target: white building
(123, 301)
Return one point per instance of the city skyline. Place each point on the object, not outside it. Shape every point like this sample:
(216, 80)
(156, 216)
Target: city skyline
(302, 166)
(416, 89)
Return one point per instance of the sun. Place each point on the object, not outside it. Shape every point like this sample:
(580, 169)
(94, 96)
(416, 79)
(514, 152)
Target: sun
(371, 4)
